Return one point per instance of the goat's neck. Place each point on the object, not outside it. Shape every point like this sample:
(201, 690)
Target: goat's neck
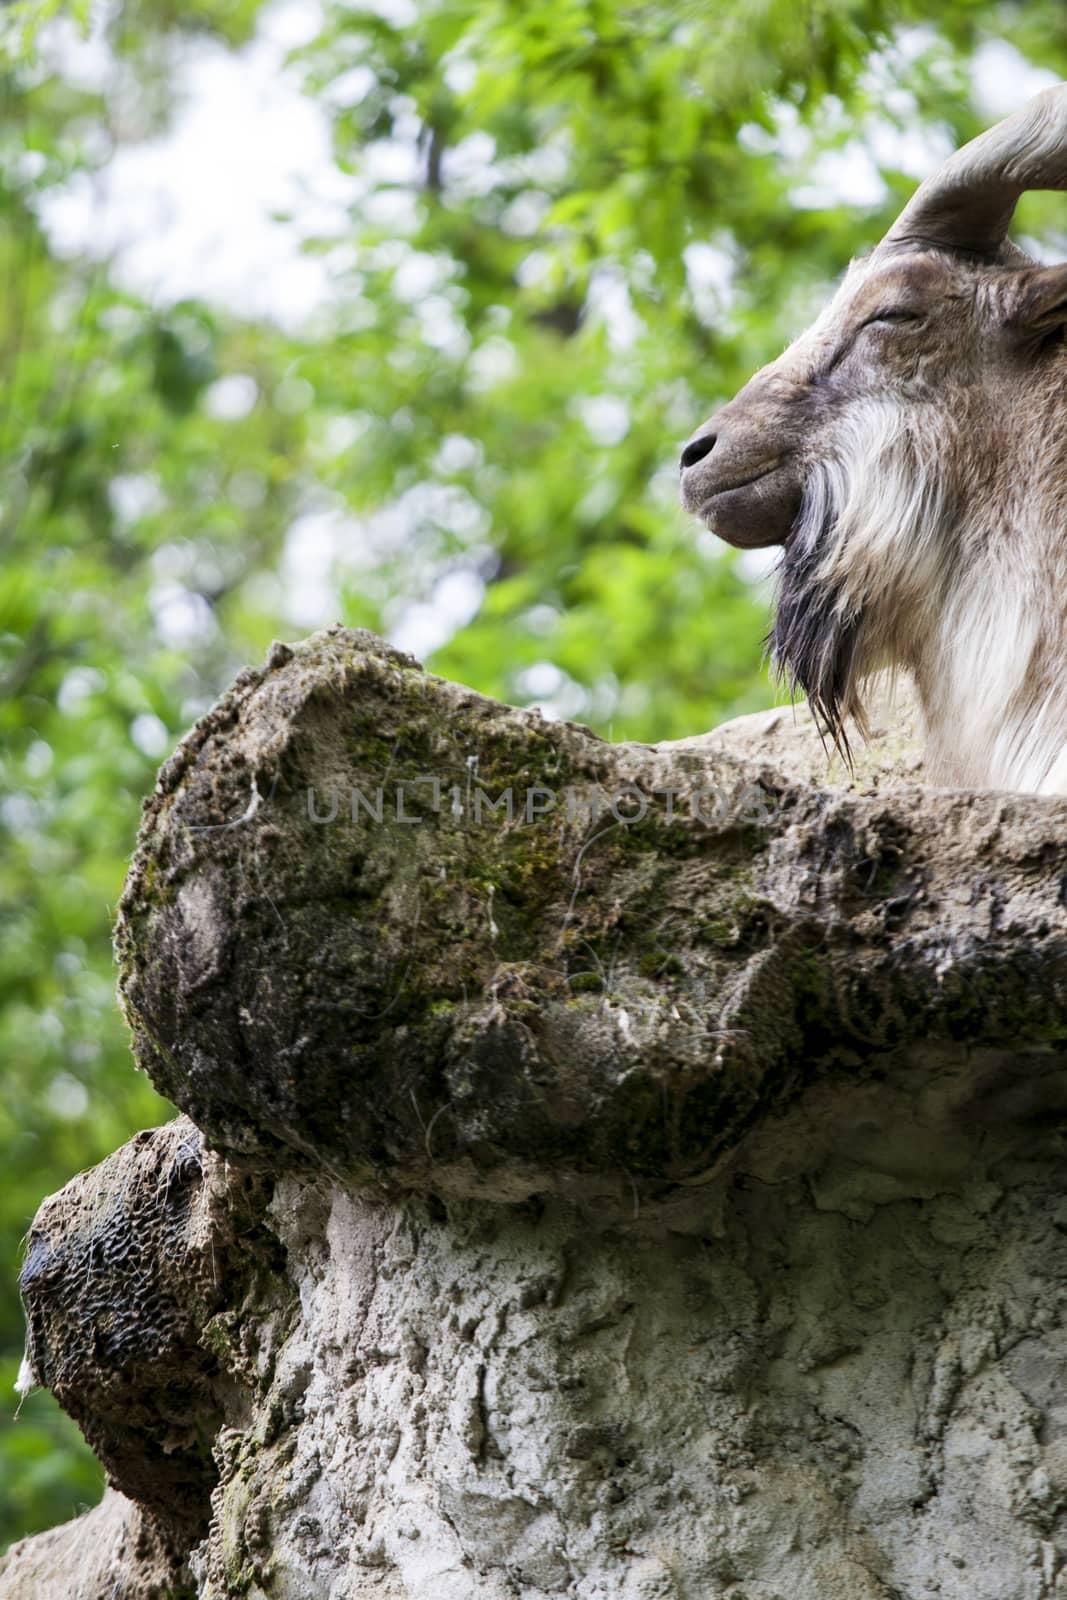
(990, 671)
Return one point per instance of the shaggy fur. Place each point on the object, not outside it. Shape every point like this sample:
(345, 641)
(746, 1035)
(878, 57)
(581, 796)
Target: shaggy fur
(866, 558)
(896, 560)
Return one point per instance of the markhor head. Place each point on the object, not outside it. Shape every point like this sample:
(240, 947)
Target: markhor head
(870, 447)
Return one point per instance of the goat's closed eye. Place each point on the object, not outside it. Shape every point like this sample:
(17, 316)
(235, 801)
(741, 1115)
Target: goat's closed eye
(892, 314)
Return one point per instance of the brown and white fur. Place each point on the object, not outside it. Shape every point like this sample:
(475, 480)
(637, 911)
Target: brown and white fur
(909, 452)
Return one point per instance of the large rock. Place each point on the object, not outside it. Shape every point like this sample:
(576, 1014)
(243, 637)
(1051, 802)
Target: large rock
(665, 1210)
(117, 1551)
(497, 1007)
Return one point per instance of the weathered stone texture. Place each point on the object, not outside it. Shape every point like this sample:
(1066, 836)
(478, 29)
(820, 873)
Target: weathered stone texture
(660, 1211)
(117, 1551)
(496, 1007)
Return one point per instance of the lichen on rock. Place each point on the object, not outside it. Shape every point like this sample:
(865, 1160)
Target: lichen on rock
(130, 1274)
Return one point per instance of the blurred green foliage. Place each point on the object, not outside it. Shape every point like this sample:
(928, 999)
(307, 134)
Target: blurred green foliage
(600, 230)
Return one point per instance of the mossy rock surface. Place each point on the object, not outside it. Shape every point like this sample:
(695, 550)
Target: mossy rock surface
(338, 950)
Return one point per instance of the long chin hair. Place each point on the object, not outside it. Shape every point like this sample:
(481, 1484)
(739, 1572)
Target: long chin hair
(863, 564)
(816, 638)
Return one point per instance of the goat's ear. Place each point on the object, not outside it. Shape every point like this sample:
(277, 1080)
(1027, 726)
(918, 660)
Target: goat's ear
(1038, 300)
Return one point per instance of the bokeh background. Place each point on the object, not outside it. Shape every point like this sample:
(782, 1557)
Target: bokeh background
(394, 314)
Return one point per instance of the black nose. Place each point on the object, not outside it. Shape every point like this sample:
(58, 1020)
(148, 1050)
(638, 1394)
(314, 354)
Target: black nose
(697, 449)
